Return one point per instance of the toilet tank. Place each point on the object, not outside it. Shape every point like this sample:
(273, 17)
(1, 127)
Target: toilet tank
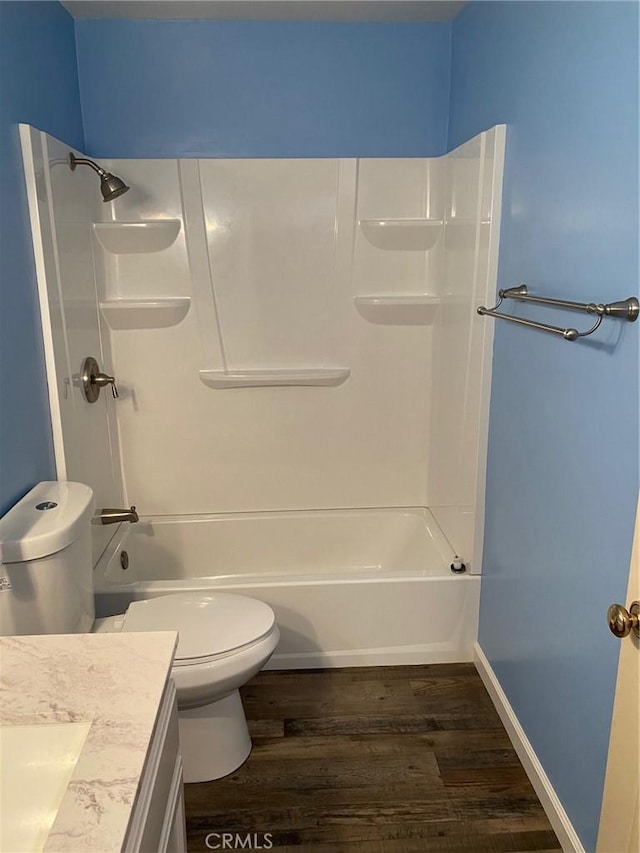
(46, 569)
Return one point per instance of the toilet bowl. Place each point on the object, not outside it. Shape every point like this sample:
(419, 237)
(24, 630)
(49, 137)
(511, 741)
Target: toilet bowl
(223, 639)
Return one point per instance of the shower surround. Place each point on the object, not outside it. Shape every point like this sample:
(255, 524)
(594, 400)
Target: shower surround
(299, 365)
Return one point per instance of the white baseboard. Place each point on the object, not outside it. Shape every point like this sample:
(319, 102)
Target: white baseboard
(558, 818)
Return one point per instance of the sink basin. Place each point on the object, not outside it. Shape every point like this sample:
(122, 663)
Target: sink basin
(36, 765)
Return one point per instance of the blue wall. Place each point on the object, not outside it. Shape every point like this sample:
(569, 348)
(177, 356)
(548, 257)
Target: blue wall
(563, 447)
(38, 85)
(263, 88)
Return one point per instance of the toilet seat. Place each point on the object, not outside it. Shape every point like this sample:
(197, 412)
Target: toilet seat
(210, 627)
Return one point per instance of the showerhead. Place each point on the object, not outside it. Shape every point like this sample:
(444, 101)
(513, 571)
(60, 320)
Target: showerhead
(111, 186)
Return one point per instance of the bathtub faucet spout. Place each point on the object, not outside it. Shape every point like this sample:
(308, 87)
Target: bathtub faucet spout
(115, 516)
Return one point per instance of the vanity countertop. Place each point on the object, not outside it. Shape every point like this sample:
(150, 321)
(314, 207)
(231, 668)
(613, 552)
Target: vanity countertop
(115, 682)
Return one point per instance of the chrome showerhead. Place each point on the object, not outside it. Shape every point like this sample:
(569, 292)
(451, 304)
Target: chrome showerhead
(111, 186)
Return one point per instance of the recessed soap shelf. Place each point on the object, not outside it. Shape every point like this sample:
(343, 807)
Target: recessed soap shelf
(417, 234)
(402, 309)
(255, 378)
(140, 237)
(145, 313)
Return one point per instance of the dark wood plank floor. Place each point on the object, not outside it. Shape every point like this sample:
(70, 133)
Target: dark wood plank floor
(374, 760)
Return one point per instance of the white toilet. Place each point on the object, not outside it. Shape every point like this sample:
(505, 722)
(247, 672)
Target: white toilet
(46, 587)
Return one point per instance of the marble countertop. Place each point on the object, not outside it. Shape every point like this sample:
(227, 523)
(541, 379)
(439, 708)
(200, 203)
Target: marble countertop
(113, 681)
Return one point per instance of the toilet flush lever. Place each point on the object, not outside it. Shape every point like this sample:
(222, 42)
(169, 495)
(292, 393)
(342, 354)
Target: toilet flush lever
(92, 380)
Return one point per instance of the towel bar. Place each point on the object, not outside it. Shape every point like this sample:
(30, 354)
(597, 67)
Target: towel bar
(625, 309)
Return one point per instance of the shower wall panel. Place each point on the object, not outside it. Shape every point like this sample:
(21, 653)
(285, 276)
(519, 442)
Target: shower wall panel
(463, 340)
(268, 265)
(272, 240)
(62, 207)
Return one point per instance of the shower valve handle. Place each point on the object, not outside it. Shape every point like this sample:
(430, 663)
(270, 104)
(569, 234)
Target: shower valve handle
(92, 380)
(103, 379)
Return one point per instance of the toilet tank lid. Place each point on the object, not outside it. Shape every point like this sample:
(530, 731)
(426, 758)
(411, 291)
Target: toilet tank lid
(47, 519)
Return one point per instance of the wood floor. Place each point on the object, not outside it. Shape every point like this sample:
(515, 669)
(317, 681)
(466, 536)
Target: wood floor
(374, 760)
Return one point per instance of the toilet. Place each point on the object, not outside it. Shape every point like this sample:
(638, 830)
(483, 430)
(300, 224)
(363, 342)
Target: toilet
(46, 587)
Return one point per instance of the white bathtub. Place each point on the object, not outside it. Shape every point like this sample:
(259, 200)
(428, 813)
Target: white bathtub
(348, 587)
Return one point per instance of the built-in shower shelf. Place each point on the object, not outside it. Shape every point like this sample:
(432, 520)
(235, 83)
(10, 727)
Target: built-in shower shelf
(457, 220)
(408, 235)
(145, 313)
(403, 309)
(139, 237)
(274, 376)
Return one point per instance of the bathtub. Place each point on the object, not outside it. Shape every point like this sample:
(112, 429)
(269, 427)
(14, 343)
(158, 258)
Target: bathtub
(358, 587)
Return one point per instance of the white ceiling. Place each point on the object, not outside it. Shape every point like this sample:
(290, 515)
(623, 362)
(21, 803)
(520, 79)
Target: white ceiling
(303, 10)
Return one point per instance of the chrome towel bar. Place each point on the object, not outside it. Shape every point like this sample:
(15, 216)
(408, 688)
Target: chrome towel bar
(626, 309)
